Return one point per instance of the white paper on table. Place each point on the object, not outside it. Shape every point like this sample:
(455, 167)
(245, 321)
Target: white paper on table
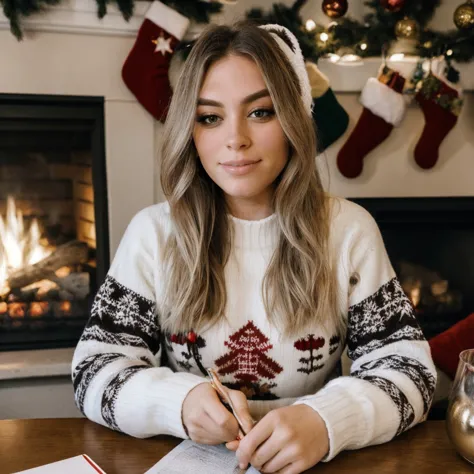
(82, 464)
(192, 458)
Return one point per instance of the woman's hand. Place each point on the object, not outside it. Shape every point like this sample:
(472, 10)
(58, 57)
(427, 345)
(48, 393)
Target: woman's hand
(287, 440)
(206, 418)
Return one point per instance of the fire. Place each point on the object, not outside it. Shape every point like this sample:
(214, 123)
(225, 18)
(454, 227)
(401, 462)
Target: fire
(19, 247)
(415, 296)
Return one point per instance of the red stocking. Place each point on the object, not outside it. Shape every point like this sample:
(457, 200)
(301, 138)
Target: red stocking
(441, 106)
(145, 71)
(384, 107)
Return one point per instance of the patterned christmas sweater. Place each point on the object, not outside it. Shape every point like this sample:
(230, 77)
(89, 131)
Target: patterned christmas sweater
(131, 376)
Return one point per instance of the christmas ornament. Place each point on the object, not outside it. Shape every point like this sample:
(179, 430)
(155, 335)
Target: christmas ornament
(464, 16)
(335, 8)
(392, 5)
(384, 108)
(406, 29)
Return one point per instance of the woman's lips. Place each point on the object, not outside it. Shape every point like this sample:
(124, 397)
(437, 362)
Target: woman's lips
(241, 167)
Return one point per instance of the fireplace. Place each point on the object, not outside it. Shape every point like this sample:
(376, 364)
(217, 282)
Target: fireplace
(430, 242)
(54, 241)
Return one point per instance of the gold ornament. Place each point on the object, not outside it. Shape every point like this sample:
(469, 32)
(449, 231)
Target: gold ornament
(406, 29)
(464, 16)
(335, 8)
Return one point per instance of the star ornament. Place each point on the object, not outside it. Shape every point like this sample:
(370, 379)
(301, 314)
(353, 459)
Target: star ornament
(163, 45)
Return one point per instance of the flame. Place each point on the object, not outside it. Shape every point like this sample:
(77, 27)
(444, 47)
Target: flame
(38, 308)
(18, 247)
(66, 307)
(415, 296)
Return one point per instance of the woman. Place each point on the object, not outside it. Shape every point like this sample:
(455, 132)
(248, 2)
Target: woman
(251, 268)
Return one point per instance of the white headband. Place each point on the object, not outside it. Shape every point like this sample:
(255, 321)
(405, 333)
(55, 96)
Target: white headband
(296, 59)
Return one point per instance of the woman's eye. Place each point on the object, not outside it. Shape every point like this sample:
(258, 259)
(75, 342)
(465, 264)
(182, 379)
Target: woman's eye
(208, 119)
(263, 113)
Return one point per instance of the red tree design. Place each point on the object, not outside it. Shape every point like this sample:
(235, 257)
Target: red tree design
(247, 359)
(310, 343)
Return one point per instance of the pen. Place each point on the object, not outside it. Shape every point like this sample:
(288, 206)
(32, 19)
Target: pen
(225, 399)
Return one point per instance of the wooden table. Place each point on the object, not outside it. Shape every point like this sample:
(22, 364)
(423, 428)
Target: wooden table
(29, 443)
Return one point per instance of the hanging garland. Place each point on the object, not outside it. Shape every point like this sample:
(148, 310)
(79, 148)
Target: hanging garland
(199, 11)
(386, 21)
(378, 29)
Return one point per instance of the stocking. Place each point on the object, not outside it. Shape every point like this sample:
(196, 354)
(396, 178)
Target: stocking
(384, 108)
(329, 117)
(145, 71)
(446, 347)
(441, 106)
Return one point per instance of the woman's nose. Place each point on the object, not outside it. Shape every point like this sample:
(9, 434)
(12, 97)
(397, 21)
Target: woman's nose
(239, 137)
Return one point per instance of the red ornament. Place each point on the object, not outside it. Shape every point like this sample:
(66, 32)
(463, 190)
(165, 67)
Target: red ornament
(191, 337)
(392, 6)
(174, 338)
(335, 8)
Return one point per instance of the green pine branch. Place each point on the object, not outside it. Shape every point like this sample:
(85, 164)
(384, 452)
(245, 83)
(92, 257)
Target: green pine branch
(375, 32)
(15, 10)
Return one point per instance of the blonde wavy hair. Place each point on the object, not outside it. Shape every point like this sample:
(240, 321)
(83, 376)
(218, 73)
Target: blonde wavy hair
(299, 287)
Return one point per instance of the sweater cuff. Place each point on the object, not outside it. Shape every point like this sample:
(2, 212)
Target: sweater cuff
(345, 425)
(168, 19)
(171, 402)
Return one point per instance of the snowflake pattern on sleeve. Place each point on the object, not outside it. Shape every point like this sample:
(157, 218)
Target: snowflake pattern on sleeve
(413, 369)
(86, 371)
(405, 410)
(385, 317)
(122, 317)
(111, 393)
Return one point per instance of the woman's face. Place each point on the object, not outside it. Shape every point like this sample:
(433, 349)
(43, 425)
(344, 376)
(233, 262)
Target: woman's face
(238, 136)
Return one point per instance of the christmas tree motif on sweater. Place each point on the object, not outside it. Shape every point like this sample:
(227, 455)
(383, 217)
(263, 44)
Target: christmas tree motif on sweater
(248, 362)
(193, 343)
(312, 345)
(334, 344)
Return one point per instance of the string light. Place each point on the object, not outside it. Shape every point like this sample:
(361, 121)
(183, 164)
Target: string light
(323, 37)
(363, 46)
(310, 25)
(397, 57)
(350, 59)
(334, 58)
(449, 52)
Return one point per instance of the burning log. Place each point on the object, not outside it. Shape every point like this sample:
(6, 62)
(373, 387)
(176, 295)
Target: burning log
(76, 284)
(72, 253)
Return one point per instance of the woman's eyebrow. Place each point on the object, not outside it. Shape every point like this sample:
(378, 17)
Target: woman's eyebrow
(246, 100)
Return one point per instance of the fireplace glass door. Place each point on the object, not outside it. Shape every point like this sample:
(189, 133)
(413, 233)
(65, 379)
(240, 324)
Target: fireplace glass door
(53, 218)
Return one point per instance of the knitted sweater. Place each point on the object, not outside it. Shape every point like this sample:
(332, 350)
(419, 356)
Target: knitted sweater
(121, 381)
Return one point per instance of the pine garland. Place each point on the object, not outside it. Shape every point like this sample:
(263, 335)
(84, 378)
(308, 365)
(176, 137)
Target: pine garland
(15, 9)
(376, 31)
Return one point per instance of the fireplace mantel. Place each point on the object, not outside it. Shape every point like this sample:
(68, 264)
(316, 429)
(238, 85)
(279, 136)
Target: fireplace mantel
(80, 17)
